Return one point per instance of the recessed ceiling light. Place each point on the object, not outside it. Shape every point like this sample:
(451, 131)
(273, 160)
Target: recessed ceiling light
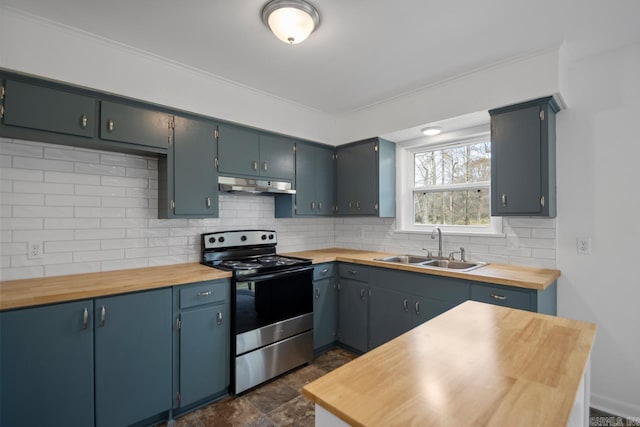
(430, 131)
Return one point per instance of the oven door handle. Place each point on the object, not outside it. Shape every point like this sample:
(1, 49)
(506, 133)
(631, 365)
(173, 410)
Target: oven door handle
(276, 274)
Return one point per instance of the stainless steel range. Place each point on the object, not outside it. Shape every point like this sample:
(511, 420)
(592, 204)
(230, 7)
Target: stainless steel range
(272, 304)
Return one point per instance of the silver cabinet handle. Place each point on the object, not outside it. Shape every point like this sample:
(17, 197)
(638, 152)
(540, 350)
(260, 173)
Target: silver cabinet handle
(358, 204)
(264, 166)
(504, 199)
(254, 165)
(417, 307)
(353, 272)
(350, 204)
(110, 125)
(317, 293)
(208, 202)
(85, 318)
(219, 318)
(542, 201)
(405, 305)
(84, 121)
(362, 297)
(103, 315)
(204, 293)
(319, 205)
(313, 205)
(498, 297)
(324, 270)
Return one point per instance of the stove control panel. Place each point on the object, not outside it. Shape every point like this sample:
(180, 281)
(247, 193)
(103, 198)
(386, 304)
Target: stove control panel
(229, 239)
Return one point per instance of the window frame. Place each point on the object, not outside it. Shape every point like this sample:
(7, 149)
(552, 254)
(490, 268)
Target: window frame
(406, 190)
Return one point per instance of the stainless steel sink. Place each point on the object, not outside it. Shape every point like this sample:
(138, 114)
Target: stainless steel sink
(405, 259)
(452, 265)
(441, 264)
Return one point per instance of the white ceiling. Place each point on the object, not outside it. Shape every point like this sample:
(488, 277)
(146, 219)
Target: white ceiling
(364, 52)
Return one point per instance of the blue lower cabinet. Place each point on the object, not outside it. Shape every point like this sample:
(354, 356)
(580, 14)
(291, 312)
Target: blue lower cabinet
(325, 316)
(201, 342)
(390, 315)
(353, 314)
(46, 366)
(132, 357)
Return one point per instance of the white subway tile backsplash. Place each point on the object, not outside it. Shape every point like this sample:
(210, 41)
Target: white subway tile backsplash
(42, 164)
(101, 215)
(42, 212)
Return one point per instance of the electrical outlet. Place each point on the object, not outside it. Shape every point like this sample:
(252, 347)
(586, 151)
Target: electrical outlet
(583, 245)
(35, 250)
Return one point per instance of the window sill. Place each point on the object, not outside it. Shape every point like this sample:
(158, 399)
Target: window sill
(451, 232)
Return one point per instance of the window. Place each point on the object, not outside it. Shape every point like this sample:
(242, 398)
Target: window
(448, 186)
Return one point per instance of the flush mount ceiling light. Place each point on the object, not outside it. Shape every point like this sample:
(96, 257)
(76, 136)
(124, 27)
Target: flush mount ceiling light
(430, 131)
(290, 20)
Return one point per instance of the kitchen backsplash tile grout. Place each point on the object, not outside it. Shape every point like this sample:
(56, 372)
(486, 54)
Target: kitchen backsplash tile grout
(97, 211)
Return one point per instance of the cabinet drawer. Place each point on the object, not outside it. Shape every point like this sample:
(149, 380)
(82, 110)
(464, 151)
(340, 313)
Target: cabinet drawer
(500, 295)
(204, 293)
(323, 271)
(354, 272)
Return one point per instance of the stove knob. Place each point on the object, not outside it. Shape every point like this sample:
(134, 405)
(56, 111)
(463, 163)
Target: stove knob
(264, 237)
(221, 239)
(270, 236)
(243, 238)
(212, 239)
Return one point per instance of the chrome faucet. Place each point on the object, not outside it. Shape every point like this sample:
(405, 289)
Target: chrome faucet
(433, 236)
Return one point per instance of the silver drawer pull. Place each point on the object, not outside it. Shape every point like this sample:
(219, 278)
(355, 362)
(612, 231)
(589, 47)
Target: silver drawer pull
(264, 166)
(362, 297)
(254, 165)
(84, 121)
(319, 205)
(317, 293)
(498, 297)
(313, 205)
(204, 293)
(504, 200)
(85, 318)
(219, 318)
(103, 316)
(353, 272)
(417, 307)
(110, 125)
(405, 305)
(208, 202)
(324, 270)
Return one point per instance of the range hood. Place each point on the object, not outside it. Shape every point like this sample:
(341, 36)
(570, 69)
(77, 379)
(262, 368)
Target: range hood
(254, 186)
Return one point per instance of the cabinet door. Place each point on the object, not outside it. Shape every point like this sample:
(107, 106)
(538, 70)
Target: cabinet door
(132, 357)
(47, 366)
(365, 175)
(346, 167)
(306, 179)
(353, 314)
(389, 315)
(204, 353)
(238, 151)
(124, 123)
(515, 161)
(47, 109)
(428, 308)
(195, 174)
(277, 157)
(325, 305)
(325, 181)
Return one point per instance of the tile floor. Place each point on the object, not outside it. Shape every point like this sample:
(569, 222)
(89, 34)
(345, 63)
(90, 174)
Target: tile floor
(277, 403)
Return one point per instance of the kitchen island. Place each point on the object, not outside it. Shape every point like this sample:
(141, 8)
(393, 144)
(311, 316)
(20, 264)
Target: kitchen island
(475, 365)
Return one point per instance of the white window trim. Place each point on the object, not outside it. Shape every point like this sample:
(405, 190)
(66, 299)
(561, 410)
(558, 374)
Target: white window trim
(404, 194)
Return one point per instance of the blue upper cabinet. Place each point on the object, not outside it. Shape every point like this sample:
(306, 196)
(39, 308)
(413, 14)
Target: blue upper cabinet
(365, 183)
(45, 109)
(315, 183)
(134, 125)
(248, 153)
(523, 163)
(187, 176)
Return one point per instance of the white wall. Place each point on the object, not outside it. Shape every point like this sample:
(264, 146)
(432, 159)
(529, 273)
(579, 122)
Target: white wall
(97, 211)
(598, 162)
(33, 45)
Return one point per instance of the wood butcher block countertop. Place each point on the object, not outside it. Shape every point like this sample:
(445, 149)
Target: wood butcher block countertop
(502, 274)
(475, 365)
(30, 292)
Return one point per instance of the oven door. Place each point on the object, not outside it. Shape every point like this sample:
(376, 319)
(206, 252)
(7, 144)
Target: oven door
(263, 300)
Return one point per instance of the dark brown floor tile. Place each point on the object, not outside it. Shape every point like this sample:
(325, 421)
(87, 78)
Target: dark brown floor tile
(333, 359)
(299, 412)
(189, 420)
(298, 378)
(230, 412)
(272, 395)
